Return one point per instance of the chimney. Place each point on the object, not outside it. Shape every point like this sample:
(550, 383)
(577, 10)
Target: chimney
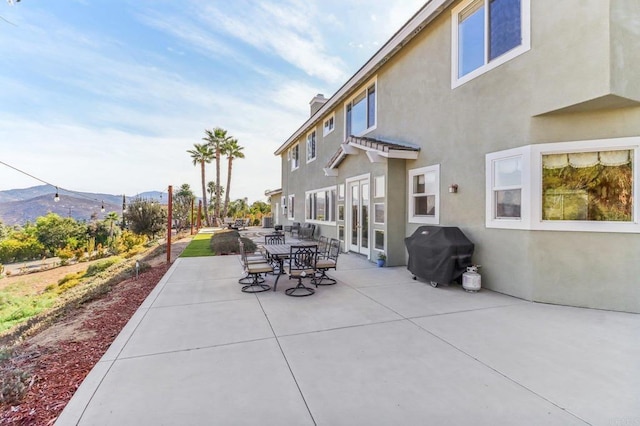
(317, 102)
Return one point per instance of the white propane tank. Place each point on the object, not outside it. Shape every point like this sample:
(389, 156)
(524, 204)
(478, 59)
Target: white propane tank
(471, 280)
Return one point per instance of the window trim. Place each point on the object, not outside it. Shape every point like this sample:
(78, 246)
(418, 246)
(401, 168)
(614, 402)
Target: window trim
(531, 208)
(430, 220)
(363, 89)
(326, 132)
(525, 45)
(312, 136)
(524, 221)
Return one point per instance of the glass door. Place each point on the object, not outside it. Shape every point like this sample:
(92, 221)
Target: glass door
(359, 216)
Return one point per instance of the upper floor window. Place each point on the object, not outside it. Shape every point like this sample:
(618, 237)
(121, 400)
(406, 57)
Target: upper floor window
(295, 156)
(565, 186)
(329, 125)
(487, 33)
(360, 112)
(311, 146)
(424, 195)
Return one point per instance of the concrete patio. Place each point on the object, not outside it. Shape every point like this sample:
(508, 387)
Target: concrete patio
(378, 348)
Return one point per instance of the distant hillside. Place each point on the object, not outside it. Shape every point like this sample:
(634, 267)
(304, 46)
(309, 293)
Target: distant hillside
(18, 206)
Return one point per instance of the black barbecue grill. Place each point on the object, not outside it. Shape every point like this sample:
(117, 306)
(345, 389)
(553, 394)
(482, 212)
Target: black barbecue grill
(438, 254)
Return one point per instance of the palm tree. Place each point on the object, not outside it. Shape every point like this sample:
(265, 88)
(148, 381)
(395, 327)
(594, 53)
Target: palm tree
(202, 154)
(211, 190)
(232, 150)
(216, 138)
(110, 219)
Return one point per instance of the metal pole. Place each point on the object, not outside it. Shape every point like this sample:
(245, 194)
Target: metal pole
(170, 221)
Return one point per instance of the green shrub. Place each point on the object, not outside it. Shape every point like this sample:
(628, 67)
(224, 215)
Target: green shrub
(70, 277)
(13, 386)
(101, 266)
(226, 242)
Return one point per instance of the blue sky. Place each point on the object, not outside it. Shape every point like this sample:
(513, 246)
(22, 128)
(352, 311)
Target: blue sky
(108, 95)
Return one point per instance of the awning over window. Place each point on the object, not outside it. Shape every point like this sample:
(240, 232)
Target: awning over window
(377, 151)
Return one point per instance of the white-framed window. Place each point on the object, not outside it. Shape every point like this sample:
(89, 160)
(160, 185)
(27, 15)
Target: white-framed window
(311, 146)
(341, 212)
(329, 124)
(487, 33)
(565, 186)
(361, 111)
(295, 156)
(291, 207)
(341, 192)
(283, 203)
(378, 239)
(320, 205)
(378, 188)
(341, 233)
(424, 195)
(378, 213)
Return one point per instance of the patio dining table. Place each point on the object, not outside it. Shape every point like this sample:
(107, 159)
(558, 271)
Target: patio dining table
(280, 252)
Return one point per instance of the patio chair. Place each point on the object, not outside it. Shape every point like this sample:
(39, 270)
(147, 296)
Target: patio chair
(323, 246)
(295, 229)
(301, 264)
(326, 263)
(254, 266)
(274, 239)
(307, 231)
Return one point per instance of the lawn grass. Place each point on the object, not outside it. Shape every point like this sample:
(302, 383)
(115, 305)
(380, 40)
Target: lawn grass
(200, 245)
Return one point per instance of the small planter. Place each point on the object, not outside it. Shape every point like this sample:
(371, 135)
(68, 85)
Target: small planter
(381, 263)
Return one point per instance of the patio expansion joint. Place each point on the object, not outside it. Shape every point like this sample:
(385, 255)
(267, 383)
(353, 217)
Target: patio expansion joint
(495, 370)
(239, 342)
(486, 308)
(284, 356)
(346, 327)
(206, 302)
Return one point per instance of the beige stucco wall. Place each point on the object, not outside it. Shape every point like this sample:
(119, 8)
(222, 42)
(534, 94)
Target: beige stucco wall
(579, 81)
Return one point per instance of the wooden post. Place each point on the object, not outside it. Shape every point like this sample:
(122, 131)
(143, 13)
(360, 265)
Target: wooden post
(199, 214)
(170, 221)
(191, 216)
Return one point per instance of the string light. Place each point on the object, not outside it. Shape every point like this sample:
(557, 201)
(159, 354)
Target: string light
(56, 197)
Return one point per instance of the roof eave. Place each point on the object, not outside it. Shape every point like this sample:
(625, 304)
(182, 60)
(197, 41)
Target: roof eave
(428, 12)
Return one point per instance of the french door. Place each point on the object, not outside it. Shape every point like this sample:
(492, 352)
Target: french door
(358, 214)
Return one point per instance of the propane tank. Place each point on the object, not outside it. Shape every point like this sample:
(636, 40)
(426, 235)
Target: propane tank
(471, 280)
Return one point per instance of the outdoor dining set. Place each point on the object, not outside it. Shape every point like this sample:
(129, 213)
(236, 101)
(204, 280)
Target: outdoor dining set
(299, 260)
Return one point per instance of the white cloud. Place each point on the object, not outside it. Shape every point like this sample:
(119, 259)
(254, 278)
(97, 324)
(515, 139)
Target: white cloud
(90, 110)
(285, 29)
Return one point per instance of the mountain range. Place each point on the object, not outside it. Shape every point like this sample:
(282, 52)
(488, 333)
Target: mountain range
(19, 206)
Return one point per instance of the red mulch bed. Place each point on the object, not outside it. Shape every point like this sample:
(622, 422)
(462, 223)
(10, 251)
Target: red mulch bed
(59, 365)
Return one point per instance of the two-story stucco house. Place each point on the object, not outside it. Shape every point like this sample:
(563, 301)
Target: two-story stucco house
(517, 121)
